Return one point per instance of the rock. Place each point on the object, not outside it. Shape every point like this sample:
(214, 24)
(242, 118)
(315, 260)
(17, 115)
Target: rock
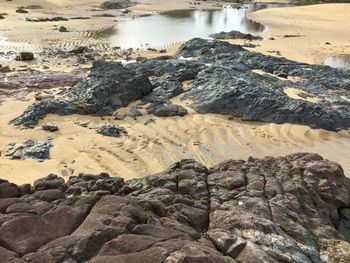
(224, 79)
(78, 50)
(8, 190)
(284, 209)
(63, 29)
(36, 149)
(51, 195)
(25, 56)
(167, 110)
(107, 88)
(116, 4)
(46, 19)
(5, 69)
(50, 126)
(21, 11)
(111, 130)
(234, 35)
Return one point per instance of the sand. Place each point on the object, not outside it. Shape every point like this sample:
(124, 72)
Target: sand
(315, 24)
(149, 149)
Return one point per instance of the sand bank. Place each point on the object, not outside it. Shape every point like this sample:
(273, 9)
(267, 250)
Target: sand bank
(319, 31)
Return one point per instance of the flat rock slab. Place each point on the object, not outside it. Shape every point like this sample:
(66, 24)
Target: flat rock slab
(262, 210)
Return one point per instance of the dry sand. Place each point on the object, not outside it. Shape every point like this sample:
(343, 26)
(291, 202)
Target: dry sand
(316, 25)
(148, 149)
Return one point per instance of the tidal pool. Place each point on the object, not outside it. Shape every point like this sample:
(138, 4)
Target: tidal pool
(339, 61)
(182, 25)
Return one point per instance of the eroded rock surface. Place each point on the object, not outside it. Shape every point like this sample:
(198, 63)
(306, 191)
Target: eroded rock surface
(287, 209)
(224, 79)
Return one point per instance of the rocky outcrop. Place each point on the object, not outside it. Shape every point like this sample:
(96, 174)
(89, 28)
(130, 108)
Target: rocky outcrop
(286, 209)
(224, 79)
(108, 87)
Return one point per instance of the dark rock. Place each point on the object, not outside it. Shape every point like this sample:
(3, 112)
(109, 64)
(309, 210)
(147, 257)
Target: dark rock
(21, 11)
(78, 50)
(167, 110)
(36, 149)
(63, 29)
(25, 56)
(223, 80)
(111, 130)
(116, 4)
(50, 126)
(51, 195)
(108, 87)
(47, 19)
(235, 35)
(8, 190)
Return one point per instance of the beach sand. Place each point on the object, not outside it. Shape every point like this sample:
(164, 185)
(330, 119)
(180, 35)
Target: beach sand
(322, 31)
(149, 149)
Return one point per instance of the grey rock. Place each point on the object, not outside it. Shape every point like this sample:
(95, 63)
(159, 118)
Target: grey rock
(116, 4)
(235, 35)
(36, 149)
(50, 126)
(111, 130)
(167, 110)
(107, 88)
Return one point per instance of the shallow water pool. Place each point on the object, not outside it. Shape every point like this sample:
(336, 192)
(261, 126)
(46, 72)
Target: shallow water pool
(182, 25)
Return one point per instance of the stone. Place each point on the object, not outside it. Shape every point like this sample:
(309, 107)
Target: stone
(63, 29)
(167, 110)
(25, 56)
(111, 130)
(234, 35)
(116, 4)
(36, 149)
(8, 190)
(50, 126)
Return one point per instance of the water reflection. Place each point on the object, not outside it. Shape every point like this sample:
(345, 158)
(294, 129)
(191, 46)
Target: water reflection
(182, 25)
(340, 61)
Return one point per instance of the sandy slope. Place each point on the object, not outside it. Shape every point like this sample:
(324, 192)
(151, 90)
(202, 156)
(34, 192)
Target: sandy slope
(316, 25)
(151, 148)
